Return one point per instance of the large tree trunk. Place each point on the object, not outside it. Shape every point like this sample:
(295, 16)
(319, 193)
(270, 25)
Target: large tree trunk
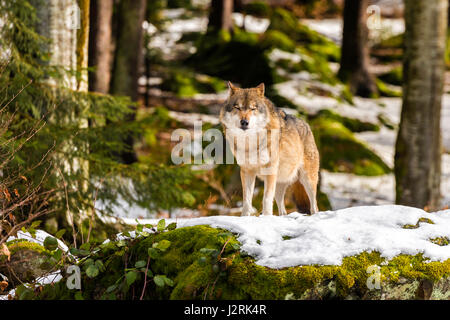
(66, 24)
(354, 68)
(418, 149)
(100, 45)
(220, 15)
(128, 57)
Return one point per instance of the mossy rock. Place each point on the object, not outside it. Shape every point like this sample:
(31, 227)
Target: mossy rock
(186, 83)
(341, 151)
(198, 270)
(277, 39)
(386, 90)
(354, 125)
(239, 58)
(28, 261)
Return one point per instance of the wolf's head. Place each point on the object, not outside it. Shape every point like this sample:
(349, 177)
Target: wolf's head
(245, 109)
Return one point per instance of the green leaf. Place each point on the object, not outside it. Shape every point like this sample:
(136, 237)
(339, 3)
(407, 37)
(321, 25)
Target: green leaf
(99, 264)
(111, 288)
(139, 228)
(172, 226)
(163, 245)
(168, 281)
(159, 280)
(50, 243)
(161, 225)
(92, 271)
(57, 254)
(131, 277)
(35, 224)
(85, 246)
(126, 234)
(140, 264)
(60, 233)
(153, 253)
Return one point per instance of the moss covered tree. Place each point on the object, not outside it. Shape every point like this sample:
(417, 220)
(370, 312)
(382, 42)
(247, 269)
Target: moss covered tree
(354, 68)
(418, 149)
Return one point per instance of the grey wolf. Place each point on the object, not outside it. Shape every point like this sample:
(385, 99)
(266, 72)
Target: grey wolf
(284, 147)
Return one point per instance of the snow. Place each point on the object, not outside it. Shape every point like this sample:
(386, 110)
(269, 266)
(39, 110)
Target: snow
(252, 24)
(327, 237)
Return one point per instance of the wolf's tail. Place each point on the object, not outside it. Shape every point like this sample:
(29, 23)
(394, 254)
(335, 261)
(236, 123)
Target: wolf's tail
(301, 198)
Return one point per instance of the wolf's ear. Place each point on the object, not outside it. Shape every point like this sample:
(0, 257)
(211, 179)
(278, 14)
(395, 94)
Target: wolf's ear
(260, 89)
(231, 87)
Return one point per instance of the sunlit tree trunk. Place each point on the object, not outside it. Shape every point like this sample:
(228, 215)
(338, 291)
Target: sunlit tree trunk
(66, 24)
(220, 15)
(354, 68)
(418, 149)
(100, 45)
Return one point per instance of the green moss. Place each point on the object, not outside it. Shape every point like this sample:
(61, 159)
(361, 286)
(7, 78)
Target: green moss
(441, 241)
(386, 91)
(340, 151)
(21, 244)
(352, 124)
(417, 225)
(185, 83)
(277, 39)
(236, 276)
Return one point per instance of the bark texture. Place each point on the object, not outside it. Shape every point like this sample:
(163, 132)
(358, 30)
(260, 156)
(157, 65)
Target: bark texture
(418, 149)
(354, 68)
(129, 48)
(128, 60)
(220, 15)
(100, 45)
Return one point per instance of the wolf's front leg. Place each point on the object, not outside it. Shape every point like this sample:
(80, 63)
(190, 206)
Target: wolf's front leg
(248, 185)
(270, 183)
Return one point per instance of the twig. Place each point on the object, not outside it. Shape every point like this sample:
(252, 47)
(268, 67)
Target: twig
(145, 279)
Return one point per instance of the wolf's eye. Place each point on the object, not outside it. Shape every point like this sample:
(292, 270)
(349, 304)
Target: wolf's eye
(236, 106)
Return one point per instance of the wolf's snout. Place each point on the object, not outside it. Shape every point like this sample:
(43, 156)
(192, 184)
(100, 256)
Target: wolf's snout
(244, 124)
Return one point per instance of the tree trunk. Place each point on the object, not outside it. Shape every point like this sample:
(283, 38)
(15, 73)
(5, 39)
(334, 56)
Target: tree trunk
(100, 45)
(128, 58)
(220, 15)
(418, 149)
(355, 59)
(66, 24)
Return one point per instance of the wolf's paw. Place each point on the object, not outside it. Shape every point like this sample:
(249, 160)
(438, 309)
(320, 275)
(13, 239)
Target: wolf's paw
(248, 211)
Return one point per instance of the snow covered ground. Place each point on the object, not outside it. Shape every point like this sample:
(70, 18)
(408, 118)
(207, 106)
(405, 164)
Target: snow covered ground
(327, 237)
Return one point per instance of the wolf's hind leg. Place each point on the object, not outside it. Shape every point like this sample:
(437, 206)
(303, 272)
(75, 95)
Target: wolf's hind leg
(279, 198)
(310, 189)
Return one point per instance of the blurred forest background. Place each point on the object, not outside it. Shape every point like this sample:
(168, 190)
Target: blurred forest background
(91, 90)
